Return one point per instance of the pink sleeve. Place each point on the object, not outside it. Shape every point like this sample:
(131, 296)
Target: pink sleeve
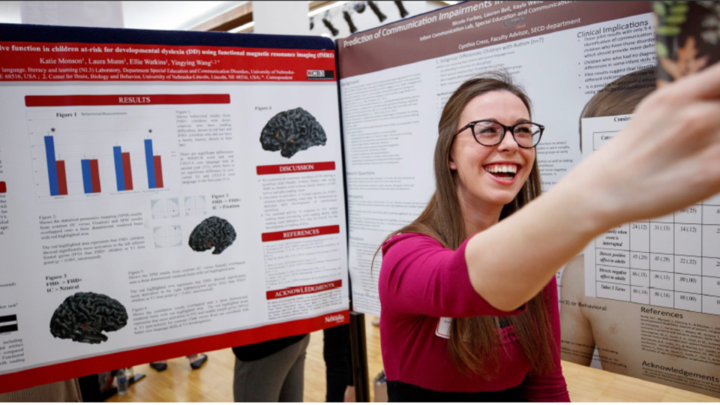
(420, 277)
(550, 387)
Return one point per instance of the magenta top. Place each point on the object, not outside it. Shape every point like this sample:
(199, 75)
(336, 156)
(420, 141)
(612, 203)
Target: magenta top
(421, 282)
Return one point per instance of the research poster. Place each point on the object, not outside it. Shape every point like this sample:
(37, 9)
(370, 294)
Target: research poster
(163, 194)
(396, 79)
(643, 299)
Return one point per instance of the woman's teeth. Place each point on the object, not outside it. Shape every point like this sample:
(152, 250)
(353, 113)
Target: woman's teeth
(505, 172)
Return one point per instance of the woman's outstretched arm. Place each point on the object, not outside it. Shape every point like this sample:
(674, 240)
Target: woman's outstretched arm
(668, 157)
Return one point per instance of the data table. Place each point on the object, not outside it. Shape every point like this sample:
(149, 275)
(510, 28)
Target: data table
(672, 261)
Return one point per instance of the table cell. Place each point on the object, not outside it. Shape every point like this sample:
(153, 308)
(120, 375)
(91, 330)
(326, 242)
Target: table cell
(711, 305)
(662, 298)
(688, 265)
(714, 200)
(688, 283)
(661, 262)
(711, 267)
(662, 280)
(616, 258)
(616, 238)
(640, 236)
(688, 240)
(689, 215)
(640, 260)
(661, 238)
(613, 291)
(711, 241)
(639, 278)
(640, 295)
(612, 275)
(711, 286)
(669, 218)
(688, 302)
(711, 214)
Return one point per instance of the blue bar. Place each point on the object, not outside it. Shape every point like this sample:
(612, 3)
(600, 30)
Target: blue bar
(51, 165)
(87, 178)
(150, 163)
(119, 174)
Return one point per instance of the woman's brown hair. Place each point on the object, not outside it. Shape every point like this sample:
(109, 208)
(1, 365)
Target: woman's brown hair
(475, 341)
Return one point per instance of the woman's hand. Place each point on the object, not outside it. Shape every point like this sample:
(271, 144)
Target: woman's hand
(668, 157)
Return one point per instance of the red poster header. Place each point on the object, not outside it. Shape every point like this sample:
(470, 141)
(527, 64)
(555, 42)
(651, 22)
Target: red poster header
(296, 168)
(300, 233)
(3, 187)
(126, 99)
(305, 289)
(44, 61)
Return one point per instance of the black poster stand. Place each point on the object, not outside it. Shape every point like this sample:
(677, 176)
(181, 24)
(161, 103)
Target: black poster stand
(359, 357)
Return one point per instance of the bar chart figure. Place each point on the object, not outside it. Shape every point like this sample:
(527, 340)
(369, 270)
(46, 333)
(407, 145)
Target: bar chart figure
(154, 166)
(91, 176)
(57, 175)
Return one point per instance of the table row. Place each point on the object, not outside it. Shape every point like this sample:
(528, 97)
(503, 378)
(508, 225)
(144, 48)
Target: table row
(695, 265)
(706, 304)
(659, 279)
(682, 239)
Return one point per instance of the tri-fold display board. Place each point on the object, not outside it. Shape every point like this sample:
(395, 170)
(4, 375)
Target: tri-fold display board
(166, 193)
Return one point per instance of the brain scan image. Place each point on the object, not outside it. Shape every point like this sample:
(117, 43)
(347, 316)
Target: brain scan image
(83, 317)
(292, 131)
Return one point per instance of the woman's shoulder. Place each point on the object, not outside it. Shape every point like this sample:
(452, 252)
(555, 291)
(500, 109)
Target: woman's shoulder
(411, 241)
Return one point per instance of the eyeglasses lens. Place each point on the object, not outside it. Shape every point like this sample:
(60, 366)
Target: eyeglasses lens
(489, 133)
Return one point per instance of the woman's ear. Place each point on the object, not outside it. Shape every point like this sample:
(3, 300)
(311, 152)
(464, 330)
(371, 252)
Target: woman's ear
(451, 161)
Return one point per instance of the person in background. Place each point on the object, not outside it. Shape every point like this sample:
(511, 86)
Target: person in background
(196, 361)
(62, 391)
(468, 290)
(271, 371)
(338, 364)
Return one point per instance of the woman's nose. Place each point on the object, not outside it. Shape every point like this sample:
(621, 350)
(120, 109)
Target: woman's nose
(508, 143)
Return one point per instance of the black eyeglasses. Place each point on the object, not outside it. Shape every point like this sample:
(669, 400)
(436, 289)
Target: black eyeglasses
(490, 133)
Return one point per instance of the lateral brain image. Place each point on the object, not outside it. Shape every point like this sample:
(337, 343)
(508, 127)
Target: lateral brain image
(83, 317)
(212, 232)
(292, 131)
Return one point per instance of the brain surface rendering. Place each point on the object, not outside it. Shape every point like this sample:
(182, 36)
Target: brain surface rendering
(83, 317)
(212, 232)
(292, 131)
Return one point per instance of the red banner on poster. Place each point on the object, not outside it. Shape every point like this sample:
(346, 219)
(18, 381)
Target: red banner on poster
(300, 233)
(296, 168)
(125, 99)
(304, 289)
(46, 61)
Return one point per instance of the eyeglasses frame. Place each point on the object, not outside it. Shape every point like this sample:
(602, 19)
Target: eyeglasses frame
(511, 128)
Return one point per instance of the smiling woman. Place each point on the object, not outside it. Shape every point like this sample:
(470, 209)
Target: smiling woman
(477, 185)
(468, 291)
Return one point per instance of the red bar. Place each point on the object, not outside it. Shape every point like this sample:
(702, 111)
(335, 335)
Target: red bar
(158, 171)
(62, 177)
(126, 99)
(300, 233)
(127, 171)
(93, 365)
(296, 168)
(95, 175)
(302, 290)
(3, 187)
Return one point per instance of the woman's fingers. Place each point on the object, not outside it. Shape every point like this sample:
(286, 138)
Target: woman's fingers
(704, 85)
